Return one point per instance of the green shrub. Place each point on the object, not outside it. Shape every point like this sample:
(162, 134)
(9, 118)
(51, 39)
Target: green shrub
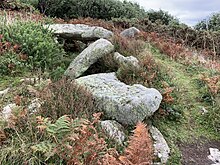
(161, 17)
(212, 23)
(33, 3)
(9, 63)
(16, 5)
(36, 42)
(103, 9)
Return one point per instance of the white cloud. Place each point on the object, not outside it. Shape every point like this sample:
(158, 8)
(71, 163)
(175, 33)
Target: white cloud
(188, 11)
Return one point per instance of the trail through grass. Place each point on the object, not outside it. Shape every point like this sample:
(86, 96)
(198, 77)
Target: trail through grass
(190, 127)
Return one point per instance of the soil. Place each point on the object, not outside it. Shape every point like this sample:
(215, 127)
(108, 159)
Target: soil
(196, 153)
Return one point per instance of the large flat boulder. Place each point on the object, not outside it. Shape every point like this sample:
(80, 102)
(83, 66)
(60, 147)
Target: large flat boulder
(88, 57)
(123, 103)
(80, 31)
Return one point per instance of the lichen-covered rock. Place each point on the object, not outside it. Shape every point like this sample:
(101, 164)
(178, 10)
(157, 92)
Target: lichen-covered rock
(114, 130)
(79, 31)
(123, 103)
(128, 62)
(88, 57)
(129, 33)
(161, 148)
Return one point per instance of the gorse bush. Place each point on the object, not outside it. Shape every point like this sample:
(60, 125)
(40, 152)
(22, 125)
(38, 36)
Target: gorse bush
(212, 23)
(36, 42)
(103, 9)
(161, 17)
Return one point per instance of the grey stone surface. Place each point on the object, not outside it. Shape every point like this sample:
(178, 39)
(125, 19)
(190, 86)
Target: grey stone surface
(123, 103)
(79, 31)
(161, 148)
(131, 32)
(114, 130)
(126, 61)
(88, 57)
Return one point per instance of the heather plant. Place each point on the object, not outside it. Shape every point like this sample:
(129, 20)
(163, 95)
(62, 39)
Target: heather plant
(64, 97)
(131, 47)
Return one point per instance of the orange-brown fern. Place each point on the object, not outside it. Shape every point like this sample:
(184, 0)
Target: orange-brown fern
(139, 151)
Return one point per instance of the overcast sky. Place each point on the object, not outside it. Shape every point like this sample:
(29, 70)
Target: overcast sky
(188, 11)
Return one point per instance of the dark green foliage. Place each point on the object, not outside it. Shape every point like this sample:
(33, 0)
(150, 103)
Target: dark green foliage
(103, 9)
(212, 23)
(17, 5)
(10, 59)
(36, 42)
(161, 17)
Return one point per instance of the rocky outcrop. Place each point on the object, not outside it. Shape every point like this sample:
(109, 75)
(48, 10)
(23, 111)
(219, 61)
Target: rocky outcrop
(128, 62)
(114, 130)
(130, 33)
(88, 57)
(123, 103)
(79, 31)
(161, 148)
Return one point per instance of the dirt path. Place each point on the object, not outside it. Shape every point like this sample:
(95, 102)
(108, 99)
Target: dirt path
(197, 153)
(192, 139)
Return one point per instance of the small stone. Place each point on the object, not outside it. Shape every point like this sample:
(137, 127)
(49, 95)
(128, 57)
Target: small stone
(7, 111)
(214, 155)
(204, 111)
(4, 92)
(114, 130)
(128, 62)
(130, 33)
(161, 148)
(35, 105)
